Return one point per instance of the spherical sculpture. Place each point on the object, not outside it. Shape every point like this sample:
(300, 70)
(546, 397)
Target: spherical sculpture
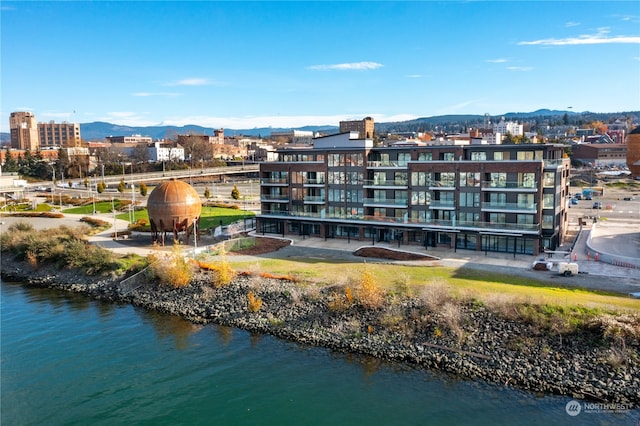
(633, 152)
(173, 206)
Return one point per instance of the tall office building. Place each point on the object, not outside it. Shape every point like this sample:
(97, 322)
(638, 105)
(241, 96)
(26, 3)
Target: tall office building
(364, 127)
(57, 135)
(24, 131)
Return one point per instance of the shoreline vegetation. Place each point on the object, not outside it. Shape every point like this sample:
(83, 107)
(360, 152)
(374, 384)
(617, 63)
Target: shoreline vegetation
(576, 351)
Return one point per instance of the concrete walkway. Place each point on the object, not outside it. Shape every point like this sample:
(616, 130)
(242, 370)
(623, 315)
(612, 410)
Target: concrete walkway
(594, 275)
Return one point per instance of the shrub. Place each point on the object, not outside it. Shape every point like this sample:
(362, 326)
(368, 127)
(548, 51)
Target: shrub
(369, 293)
(171, 269)
(253, 303)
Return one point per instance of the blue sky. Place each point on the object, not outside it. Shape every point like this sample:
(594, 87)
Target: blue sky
(289, 64)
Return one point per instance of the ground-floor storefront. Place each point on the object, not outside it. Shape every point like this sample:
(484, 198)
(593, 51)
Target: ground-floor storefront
(455, 239)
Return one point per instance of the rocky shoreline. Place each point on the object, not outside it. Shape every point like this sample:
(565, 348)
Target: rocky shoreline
(480, 344)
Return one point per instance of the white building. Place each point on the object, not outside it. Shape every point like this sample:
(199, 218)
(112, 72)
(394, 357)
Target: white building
(159, 152)
(293, 136)
(504, 127)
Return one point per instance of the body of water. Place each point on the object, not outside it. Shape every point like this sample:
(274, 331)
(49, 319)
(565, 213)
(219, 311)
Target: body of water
(69, 360)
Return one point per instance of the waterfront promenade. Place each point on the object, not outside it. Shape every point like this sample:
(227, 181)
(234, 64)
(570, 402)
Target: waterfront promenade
(595, 275)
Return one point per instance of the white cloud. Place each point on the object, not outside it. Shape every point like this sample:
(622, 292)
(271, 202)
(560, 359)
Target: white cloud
(149, 94)
(571, 24)
(196, 81)
(519, 68)
(414, 76)
(600, 37)
(497, 61)
(358, 66)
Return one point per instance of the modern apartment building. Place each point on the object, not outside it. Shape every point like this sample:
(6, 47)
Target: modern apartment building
(24, 131)
(364, 127)
(59, 135)
(492, 198)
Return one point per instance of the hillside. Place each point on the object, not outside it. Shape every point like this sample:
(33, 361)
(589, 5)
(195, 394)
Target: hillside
(447, 123)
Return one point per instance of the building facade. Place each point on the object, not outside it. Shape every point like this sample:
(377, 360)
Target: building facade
(129, 139)
(59, 135)
(24, 131)
(500, 198)
(364, 127)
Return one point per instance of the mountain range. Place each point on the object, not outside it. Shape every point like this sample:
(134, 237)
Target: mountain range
(448, 123)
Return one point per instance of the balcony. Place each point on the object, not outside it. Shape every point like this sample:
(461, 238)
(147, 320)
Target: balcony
(386, 165)
(270, 198)
(312, 199)
(440, 185)
(442, 205)
(387, 202)
(313, 182)
(510, 186)
(510, 207)
(432, 224)
(274, 181)
(386, 184)
(483, 226)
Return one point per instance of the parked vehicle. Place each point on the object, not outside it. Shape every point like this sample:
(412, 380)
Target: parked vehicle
(574, 201)
(578, 196)
(567, 269)
(597, 205)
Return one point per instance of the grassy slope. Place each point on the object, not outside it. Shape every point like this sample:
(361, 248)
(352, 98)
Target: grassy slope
(480, 284)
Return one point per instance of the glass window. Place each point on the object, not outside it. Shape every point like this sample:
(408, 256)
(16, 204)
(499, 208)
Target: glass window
(548, 201)
(469, 179)
(525, 219)
(498, 180)
(527, 180)
(403, 158)
(549, 179)
(547, 221)
(498, 156)
(448, 156)
(478, 156)
(525, 200)
(425, 156)
(469, 199)
(400, 178)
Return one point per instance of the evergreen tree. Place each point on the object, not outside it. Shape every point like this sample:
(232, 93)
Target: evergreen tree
(235, 194)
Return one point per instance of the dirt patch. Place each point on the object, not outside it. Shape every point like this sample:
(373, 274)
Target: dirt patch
(383, 253)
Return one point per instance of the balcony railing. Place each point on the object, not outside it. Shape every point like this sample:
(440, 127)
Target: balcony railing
(516, 207)
(399, 164)
(272, 197)
(314, 199)
(442, 184)
(401, 202)
(442, 204)
(274, 181)
(314, 182)
(398, 183)
(431, 223)
(509, 185)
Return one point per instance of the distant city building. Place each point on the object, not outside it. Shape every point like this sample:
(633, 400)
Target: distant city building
(159, 152)
(130, 139)
(302, 137)
(510, 127)
(600, 155)
(365, 127)
(24, 131)
(59, 135)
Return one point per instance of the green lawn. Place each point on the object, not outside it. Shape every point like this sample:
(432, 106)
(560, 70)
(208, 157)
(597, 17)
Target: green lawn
(465, 282)
(210, 217)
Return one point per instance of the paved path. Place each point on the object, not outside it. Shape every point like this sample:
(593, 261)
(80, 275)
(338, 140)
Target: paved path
(595, 275)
